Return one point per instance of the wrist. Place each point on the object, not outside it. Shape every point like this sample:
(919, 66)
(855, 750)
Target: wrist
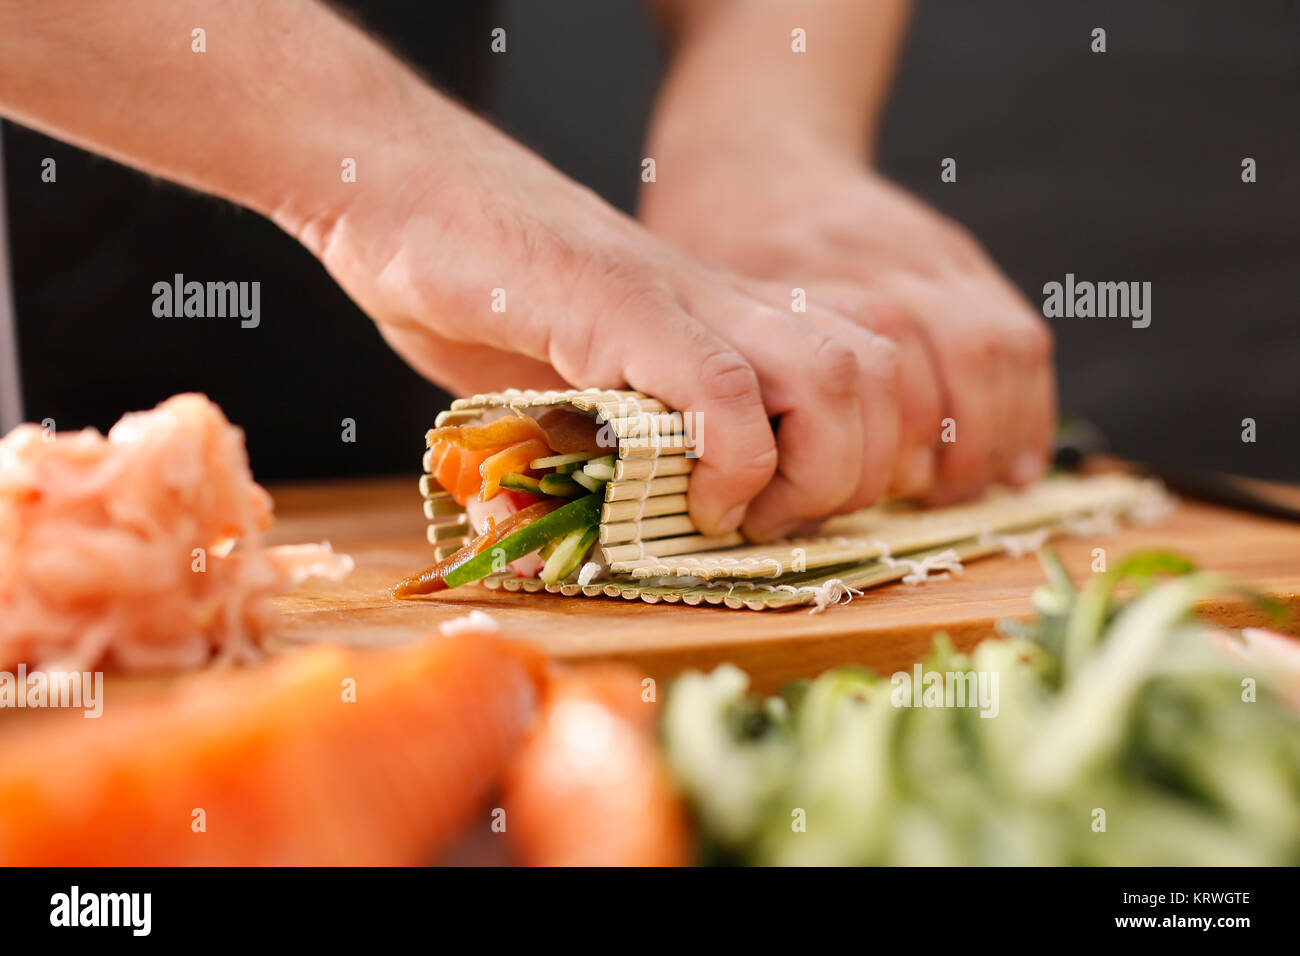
(336, 149)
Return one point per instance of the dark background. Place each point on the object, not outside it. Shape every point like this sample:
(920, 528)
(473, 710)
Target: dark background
(1123, 166)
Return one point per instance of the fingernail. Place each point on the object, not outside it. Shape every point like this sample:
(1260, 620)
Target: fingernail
(946, 495)
(1028, 467)
(915, 472)
(775, 533)
(731, 520)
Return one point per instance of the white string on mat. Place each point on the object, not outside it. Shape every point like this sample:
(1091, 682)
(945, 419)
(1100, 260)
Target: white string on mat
(1153, 504)
(1102, 521)
(1017, 545)
(645, 487)
(934, 567)
(641, 505)
(833, 591)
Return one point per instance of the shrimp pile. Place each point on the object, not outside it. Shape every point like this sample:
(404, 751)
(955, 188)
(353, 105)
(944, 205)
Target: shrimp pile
(119, 552)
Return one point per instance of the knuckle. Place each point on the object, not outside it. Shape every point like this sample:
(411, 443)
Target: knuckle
(882, 366)
(761, 462)
(1036, 342)
(726, 378)
(920, 412)
(837, 371)
(633, 293)
(892, 319)
(978, 348)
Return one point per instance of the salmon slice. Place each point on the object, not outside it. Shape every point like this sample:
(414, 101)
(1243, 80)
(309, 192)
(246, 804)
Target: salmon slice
(569, 431)
(431, 579)
(495, 435)
(515, 458)
(456, 470)
(284, 770)
(590, 786)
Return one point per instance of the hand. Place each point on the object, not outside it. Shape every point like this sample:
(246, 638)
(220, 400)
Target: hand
(453, 211)
(443, 211)
(971, 349)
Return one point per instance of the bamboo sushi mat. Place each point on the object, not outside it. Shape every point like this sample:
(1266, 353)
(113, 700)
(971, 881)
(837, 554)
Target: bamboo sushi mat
(651, 550)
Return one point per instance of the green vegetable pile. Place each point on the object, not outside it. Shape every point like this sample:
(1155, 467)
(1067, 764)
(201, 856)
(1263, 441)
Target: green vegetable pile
(1125, 732)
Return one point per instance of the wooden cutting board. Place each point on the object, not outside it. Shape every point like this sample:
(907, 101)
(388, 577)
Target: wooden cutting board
(381, 525)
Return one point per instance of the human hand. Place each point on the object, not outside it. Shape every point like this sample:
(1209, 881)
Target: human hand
(442, 212)
(454, 219)
(971, 349)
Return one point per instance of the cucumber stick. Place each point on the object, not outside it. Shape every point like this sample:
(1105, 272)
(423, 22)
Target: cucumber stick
(568, 554)
(602, 469)
(588, 482)
(555, 461)
(574, 516)
(518, 482)
(562, 486)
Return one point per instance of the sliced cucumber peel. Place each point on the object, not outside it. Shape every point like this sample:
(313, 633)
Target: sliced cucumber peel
(588, 482)
(568, 554)
(575, 516)
(602, 469)
(562, 485)
(517, 482)
(555, 461)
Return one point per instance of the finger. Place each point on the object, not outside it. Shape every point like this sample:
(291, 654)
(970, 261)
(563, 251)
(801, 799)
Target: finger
(1034, 395)
(920, 396)
(467, 369)
(812, 381)
(1032, 459)
(971, 360)
(920, 413)
(662, 351)
(970, 437)
(879, 387)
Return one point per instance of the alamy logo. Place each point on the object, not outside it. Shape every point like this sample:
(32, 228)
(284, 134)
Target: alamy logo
(65, 689)
(1102, 300)
(662, 432)
(209, 300)
(75, 908)
(938, 689)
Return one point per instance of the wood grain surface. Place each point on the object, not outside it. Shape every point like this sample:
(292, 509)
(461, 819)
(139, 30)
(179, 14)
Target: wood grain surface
(380, 524)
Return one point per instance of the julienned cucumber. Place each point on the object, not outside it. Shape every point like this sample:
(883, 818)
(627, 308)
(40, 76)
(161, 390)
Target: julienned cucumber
(561, 485)
(602, 469)
(555, 461)
(588, 482)
(568, 554)
(567, 518)
(518, 482)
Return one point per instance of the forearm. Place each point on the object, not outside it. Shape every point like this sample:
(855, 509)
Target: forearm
(265, 117)
(735, 80)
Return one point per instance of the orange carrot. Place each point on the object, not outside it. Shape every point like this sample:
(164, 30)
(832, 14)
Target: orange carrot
(272, 764)
(431, 579)
(590, 786)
